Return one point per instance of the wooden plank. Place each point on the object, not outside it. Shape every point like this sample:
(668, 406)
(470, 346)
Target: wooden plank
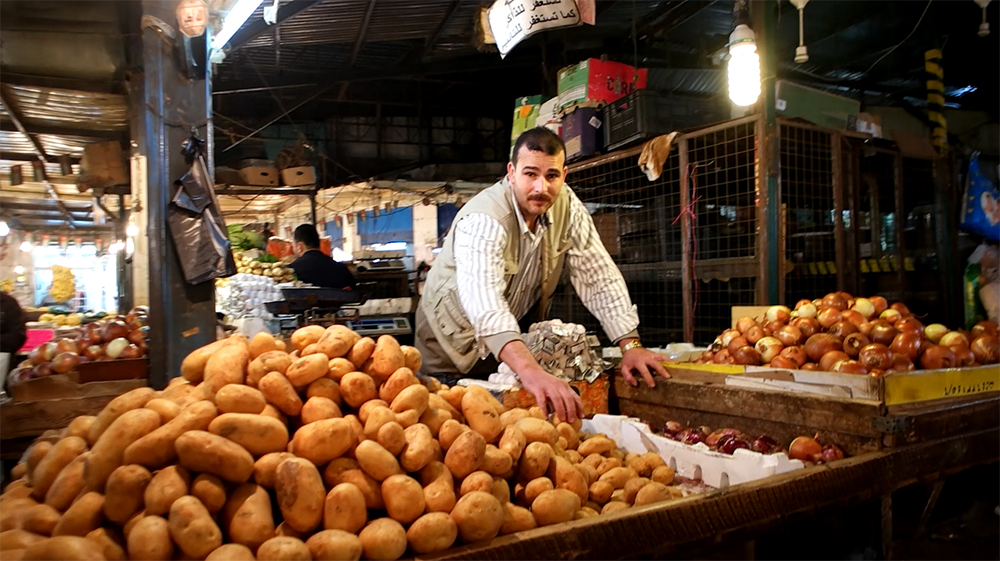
(929, 421)
(32, 418)
(912, 387)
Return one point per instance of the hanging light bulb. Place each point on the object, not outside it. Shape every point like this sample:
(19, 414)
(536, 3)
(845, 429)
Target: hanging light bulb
(129, 246)
(984, 28)
(131, 230)
(801, 55)
(744, 67)
(4, 228)
(19, 270)
(26, 246)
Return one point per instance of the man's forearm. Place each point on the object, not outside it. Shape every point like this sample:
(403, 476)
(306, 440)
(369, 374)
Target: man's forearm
(517, 356)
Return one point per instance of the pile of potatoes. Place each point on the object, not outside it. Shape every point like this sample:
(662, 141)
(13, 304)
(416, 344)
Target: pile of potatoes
(335, 450)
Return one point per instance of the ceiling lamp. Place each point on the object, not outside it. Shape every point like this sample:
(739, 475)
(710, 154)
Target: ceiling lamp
(984, 28)
(744, 66)
(4, 228)
(801, 55)
(233, 21)
(26, 245)
(16, 175)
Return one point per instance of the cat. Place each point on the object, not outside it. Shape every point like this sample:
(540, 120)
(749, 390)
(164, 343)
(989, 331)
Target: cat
(654, 155)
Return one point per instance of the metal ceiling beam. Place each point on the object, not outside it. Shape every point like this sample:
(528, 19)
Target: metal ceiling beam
(75, 84)
(362, 33)
(429, 46)
(25, 157)
(252, 30)
(672, 15)
(66, 131)
(39, 204)
(15, 117)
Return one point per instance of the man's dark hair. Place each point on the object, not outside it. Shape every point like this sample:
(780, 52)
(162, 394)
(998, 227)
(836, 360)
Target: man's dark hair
(306, 233)
(539, 139)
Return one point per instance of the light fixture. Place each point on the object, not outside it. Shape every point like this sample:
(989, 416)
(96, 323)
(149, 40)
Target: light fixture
(19, 270)
(984, 28)
(801, 55)
(16, 175)
(131, 230)
(4, 228)
(65, 165)
(233, 21)
(744, 67)
(129, 246)
(26, 246)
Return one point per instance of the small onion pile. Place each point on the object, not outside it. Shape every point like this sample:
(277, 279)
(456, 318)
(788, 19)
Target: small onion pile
(728, 440)
(118, 337)
(841, 333)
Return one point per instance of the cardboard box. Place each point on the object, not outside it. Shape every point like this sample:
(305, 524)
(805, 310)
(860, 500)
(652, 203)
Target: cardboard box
(103, 166)
(866, 123)
(548, 116)
(260, 173)
(303, 175)
(525, 115)
(581, 131)
(816, 106)
(595, 82)
(756, 312)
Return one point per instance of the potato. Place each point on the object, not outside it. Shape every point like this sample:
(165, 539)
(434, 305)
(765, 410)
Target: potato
(20, 470)
(247, 516)
(166, 486)
(123, 494)
(210, 490)
(156, 449)
(663, 474)
(237, 398)
(508, 418)
(284, 548)
(618, 495)
(565, 476)
(264, 342)
(536, 487)
(476, 481)
(42, 519)
(309, 350)
(589, 473)
(435, 531)
(205, 452)
(397, 382)
(516, 519)
(259, 435)
(264, 468)
(109, 450)
(567, 431)
(66, 548)
(279, 391)
(111, 544)
(305, 336)
(231, 552)
(356, 388)
(165, 408)
(433, 419)
(361, 351)
(411, 358)
(383, 538)
(404, 498)
(338, 367)
(192, 527)
(334, 545)
(478, 515)
(536, 412)
(555, 506)
(193, 365)
(271, 361)
(377, 416)
(325, 387)
(272, 411)
(52, 462)
(307, 370)
(607, 465)
(227, 366)
(435, 401)
(501, 489)
(496, 461)
(376, 461)
(632, 487)
(466, 454)
(18, 489)
(408, 418)
(82, 517)
(13, 513)
(301, 494)
(344, 509)
(537, 430)
(386, 358)
(600, 492)
(337, 341)
(513, 442)
(593, 460)
(392, 437)
(369, 486)
(585, 513)
(183, 394)
(132, 522)
(368, 407)
(618, 476)
(18, 539)
(596, 445)
(641, 466)
(653, 492)
(68, 484)
(534, 461)
(322, 441)
(439, 487)
(481, 414)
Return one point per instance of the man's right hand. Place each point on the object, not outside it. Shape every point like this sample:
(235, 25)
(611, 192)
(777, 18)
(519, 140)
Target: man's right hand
(548, 389)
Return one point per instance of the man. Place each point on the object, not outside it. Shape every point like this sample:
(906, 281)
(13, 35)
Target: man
(315, 267)
(503, 256)
(12, 331)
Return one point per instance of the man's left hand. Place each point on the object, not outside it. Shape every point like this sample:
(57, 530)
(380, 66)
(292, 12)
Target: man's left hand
(642, 360)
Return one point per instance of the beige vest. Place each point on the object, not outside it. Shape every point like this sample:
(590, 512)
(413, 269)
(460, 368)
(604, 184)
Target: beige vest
(440, 302)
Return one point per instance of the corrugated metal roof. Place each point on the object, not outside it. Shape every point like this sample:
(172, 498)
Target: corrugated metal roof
(54, 145)
(70, 108)
(52, 169)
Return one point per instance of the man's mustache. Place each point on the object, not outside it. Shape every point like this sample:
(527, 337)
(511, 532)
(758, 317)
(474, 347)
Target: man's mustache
(542, 198)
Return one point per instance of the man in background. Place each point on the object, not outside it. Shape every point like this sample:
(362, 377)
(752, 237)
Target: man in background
(315, 267)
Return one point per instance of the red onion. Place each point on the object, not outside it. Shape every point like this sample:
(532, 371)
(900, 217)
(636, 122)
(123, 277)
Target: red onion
(832, 453)
(672, 427)
(730, 443)
(712, 440)
(764, 444)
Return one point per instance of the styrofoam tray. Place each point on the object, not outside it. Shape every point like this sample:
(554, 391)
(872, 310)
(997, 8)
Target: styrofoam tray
(696, 461)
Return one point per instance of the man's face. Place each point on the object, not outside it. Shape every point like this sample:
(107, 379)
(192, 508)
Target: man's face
(537, 179)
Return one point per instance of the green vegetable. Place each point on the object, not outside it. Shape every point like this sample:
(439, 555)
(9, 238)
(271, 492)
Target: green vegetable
(267, 258)
(244, 240)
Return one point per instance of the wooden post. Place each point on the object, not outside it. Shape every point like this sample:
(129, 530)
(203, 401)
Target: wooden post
(900, 223)
(687, 278)
(836, 161)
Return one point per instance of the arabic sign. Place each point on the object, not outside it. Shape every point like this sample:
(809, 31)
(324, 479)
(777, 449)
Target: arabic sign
(512, 21)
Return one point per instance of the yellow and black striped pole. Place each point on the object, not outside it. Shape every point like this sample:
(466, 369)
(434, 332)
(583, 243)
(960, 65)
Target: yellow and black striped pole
(935, 99)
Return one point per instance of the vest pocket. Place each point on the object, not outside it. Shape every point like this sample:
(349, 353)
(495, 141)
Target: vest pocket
(451, 320)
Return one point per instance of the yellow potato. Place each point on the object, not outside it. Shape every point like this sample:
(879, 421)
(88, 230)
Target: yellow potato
(193, 365)
(231, 552)
(565, 476)
(386, 358)
(435, 531)
(325, 387)
(82, 517)
(338, 367)
(536, 487)
(42, 519)
(165, 408)
(663, 474)
(476, 481)
(13, 513)
(413, 398)
(334, 545)
(618, 476)
(52, 462)
(283, 548)
(600, 492)
(508, 418)
(383, 538)
(392, 437)
(247, 516)
(150, 539)
(632, 487)
(361, 351)
(124, 492)
(264, 342)
(264, 468)
(210, 490)
(516, 519)
(67, 485)
(436, 401)
(513, 442)
(192, 527)
(237, 398)
(376, 461)
(344, 509)
(227, 366)
(439, 487)
(111, 544)
(337, 341)
(555, 506)
(537, 430)
(596, 445)
(368, 407)
(478, 516)
(322, 441)
(66, 548)
(305, 336)
(356, 388)
(377, 417)
(166, 486)
(259, 435)
(307, 370)
(653, 492)
(271, 361)
(109, 450)
(567, 431)
(411, 358)
(466, 454)
(433, 419)
(535, 460)
(404, 498)
(301, 494)
(205, 452)
(156, 449)
(400, 379)
(481, 414)
(18, 539)
(496, 461)
(319, 408)
(450, 431)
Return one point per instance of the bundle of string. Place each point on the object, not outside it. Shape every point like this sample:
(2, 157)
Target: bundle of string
(691, 173)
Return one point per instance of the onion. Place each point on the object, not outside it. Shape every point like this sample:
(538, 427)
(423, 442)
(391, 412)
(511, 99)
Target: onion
(842, 329)
(114, 330)
(865, 307)
(835, 301)
(831, 358)
(692, 436)
(901, 308)
(778, 313)
(807, 310)
(808, 326)
(42, 353)
(116, 346)
(984, 328)
(130, 351)
(883, 334)
(853, 344)
(802, 302)
(769, 348)
(65, 346)
(878, 372)
(828, 316)
(810, 366)
(789, 335)
(672, 427)
(712, 440)
(94, 352)
(963, 355)
(721, 357)
(64, 362)
(820, 344)
(832, 453)
(747, 356)
(795, 354)
(986, 349)
(892, 316)
(729, 444)
(783, 362)
(707, 355)
(754, 334)
(875, 356)
(845, 295)
(849, 367)
(880, 303)
(935, 331)
(745, 323)
(43, 370)
(764, 444)
(907, 343)
(935, 357)
(910, 324)
(727, 336)
(805, 449)
(953, 339)
(772, 327)
(853, 317)
(736, 343)
(901, 363)
(136, 336)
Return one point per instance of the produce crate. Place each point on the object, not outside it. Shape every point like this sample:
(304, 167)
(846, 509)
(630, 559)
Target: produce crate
(644, 114)
(92, 378)
(594, 396)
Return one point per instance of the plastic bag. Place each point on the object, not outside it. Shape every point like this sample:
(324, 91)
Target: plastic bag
(981, 205)
(197, 227)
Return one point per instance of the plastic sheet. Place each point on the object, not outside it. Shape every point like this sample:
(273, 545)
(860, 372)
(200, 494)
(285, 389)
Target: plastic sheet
(981, 206)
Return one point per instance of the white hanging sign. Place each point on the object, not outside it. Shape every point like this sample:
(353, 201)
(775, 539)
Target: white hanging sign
(512, 21)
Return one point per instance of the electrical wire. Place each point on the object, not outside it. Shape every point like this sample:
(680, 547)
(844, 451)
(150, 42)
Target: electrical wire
(896, 46)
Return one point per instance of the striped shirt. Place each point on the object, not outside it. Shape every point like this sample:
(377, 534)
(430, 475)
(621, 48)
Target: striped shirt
(494, 305)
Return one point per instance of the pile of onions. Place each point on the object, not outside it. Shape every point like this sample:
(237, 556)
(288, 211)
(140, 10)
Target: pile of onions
(728, 440)
(841, 333)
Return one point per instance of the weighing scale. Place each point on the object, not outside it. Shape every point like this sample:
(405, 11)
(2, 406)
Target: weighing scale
(375, 326)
